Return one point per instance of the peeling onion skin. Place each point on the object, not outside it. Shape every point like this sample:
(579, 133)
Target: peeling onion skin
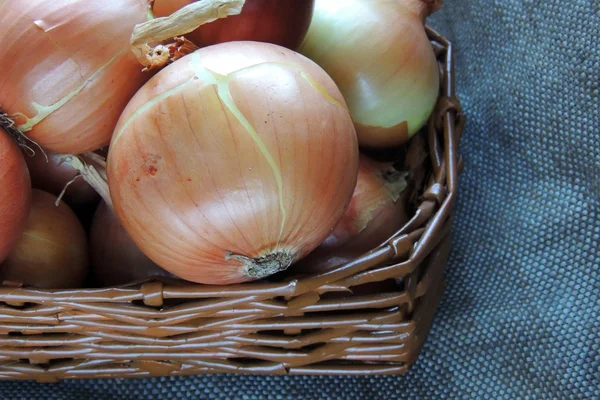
(379, 55)
(191, 183)
(15, 194)
(52, 176)
(376, 212)
(72, 58)
(115, 258)
(52, 252)
(273, 21)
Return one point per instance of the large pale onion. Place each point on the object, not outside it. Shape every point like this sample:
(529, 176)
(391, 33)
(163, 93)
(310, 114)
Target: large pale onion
(67, 70)
(379, 55)
(233, 162)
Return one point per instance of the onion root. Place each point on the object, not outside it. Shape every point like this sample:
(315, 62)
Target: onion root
(19, 137)
(263, 266)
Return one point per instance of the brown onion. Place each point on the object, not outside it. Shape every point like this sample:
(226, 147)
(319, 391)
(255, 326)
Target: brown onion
(67, 68)
(52, 251)
(233, 162)
(116, 260)
(376, 212)
(273, 21)
(52, 175)
(15, 194)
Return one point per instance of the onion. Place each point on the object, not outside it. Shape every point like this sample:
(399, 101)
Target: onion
(52, 251)
(15, 194)
(376, 212)
(233, 162)
(115, 258)
(54, 175)
(67, 68)
(378, 53)
(274, 21)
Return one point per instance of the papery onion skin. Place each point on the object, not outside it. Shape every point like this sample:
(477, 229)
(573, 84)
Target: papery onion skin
(115, 258)
(273, 21)
(193, 185)
(376, 212)
(380, 57)
(73, 60)
(53, 175)
(15, 194)
(52, 251)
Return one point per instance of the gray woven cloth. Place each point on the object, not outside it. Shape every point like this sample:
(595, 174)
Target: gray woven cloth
(521, 314)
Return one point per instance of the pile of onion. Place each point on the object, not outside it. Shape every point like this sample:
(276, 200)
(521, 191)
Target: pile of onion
(67, 69)
(379, 55)
(52, 250)
(377, 211)
(15, 194)
(234, 162)
(273, 21)
(115, 258)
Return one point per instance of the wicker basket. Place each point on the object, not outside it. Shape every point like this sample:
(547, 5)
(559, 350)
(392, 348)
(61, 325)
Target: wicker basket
(290, 327)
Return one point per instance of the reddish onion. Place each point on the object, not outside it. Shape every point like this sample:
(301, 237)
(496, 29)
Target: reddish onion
(67, 68)
(378, 53)
(15, 194)
(274, 21)
(115, 258)
(52, 251)
(53, 175)
(233, 162)
(376, 212)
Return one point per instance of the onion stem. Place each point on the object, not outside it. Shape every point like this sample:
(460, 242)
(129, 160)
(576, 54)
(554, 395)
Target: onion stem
(183, 21)
(92, 168)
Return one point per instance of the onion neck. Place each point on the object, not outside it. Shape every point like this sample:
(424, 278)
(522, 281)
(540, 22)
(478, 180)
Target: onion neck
(263, 266)
(185, 20)
(92, 168)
